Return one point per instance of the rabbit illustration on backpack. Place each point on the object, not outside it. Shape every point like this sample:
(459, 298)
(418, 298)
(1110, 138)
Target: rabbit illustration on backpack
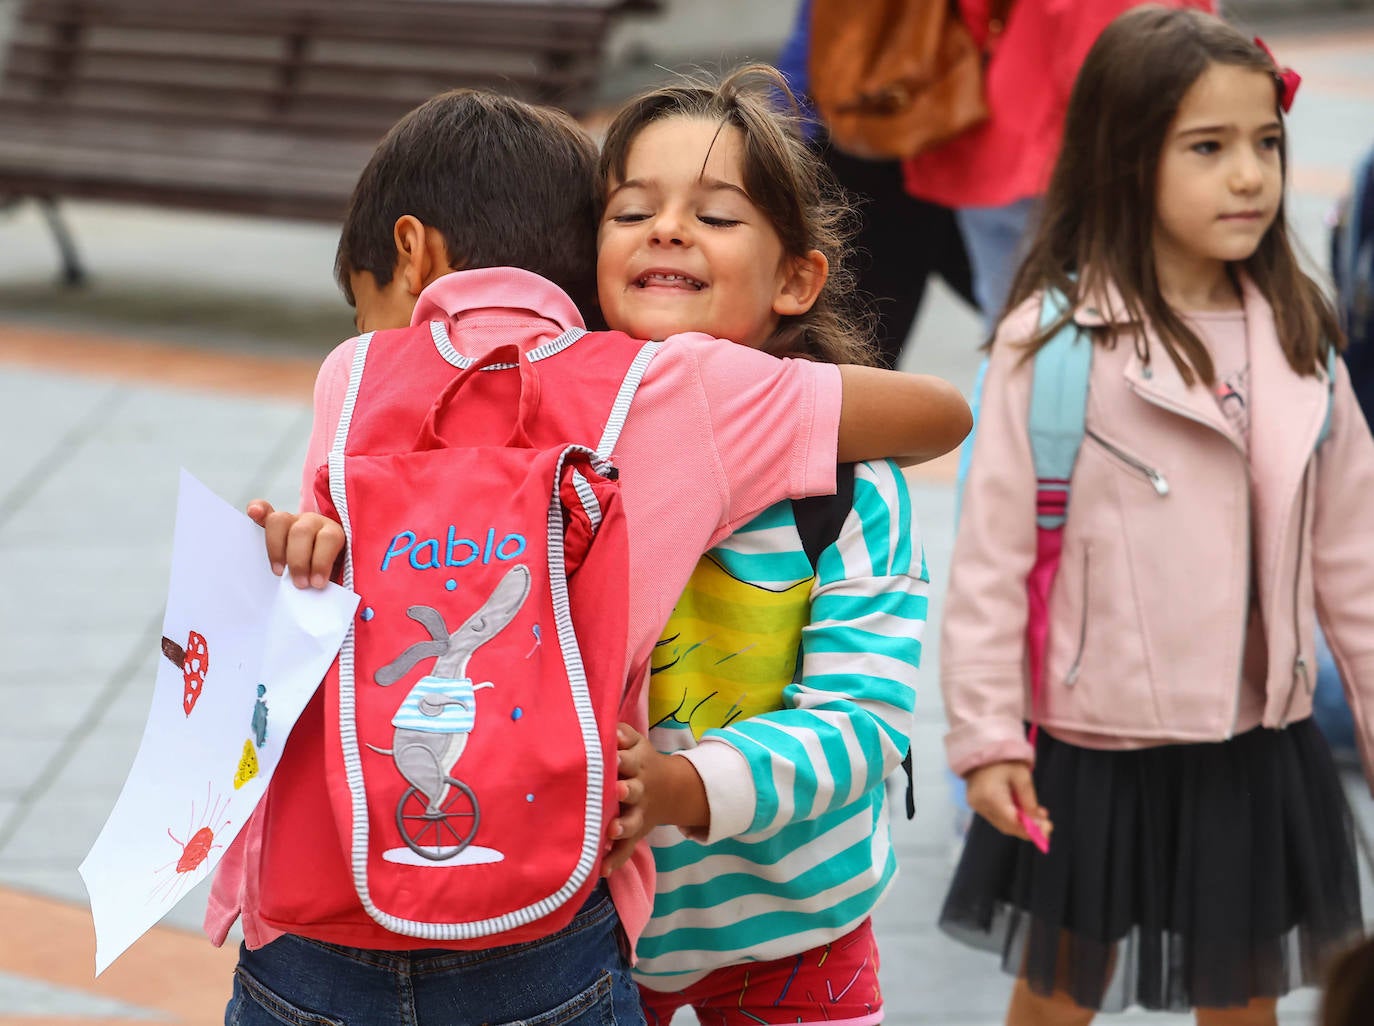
(438, 815)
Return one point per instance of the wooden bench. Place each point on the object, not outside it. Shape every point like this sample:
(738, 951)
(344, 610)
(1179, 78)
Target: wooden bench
(265, 107)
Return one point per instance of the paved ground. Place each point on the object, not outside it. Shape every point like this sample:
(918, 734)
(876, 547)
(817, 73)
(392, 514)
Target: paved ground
(195, 346)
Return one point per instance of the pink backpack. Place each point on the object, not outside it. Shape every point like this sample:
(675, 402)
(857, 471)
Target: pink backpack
(470, 716)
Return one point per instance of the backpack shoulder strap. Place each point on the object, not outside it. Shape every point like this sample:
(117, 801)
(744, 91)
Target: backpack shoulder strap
(1330, 393)
(620, 409)
(975, 404)
(820, 518)
(1058, 402)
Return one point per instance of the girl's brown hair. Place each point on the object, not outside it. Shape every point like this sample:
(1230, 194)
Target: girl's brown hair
(1098, 218)
(785, 180)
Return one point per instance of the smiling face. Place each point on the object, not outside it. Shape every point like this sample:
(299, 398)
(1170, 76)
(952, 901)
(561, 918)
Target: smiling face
(1220, 179)
(682, 247)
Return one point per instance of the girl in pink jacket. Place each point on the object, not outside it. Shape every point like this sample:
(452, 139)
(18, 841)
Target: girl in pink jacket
(1202, 853)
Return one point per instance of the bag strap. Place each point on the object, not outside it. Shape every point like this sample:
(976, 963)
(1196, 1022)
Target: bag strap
(975, 404)
(502, 357)
(820, 518)
(620, 408)
(1058, 402)
(1325, 432)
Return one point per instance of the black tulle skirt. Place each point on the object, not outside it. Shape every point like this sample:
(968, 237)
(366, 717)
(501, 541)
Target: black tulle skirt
(1199, 875)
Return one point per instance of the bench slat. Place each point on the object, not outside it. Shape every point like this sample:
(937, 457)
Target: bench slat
(260, 106)
(534, 25)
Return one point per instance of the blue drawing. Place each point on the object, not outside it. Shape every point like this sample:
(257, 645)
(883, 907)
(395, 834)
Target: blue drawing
(260, 717)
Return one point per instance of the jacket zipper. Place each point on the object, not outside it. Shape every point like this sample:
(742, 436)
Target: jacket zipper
(1245, 616)
(1071, 678)
(1300, 669)
(1187, 414)
(1155, 478)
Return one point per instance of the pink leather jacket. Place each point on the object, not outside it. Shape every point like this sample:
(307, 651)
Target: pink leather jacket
(1148, 611)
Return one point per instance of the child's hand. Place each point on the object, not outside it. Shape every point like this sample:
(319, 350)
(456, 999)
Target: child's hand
(634, 753)
(307, 544)
(653, 789)
(999, 790)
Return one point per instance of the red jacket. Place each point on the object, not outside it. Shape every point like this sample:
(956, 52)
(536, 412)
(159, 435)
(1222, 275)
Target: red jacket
(1029, 76)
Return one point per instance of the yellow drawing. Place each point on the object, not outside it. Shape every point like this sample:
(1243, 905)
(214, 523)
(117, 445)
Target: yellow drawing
(248, 765)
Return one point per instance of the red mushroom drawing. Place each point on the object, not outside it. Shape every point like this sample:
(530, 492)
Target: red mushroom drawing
(194, 662)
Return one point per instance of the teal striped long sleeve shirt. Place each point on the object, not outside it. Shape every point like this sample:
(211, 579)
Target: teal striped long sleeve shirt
(791, 689)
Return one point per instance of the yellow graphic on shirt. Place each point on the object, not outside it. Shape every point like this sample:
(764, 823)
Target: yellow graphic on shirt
(729, 650)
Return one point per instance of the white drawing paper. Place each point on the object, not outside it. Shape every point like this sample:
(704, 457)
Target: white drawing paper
(242, 651)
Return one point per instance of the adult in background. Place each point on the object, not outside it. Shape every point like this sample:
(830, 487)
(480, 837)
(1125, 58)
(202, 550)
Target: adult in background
(993, 175)
(902, 239)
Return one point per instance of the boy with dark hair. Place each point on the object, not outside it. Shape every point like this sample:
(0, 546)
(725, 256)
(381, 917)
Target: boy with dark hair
(480, 194)
(472, 227)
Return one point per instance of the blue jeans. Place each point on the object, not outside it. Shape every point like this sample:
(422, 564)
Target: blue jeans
(996, 239)
(1329, 707)
(575, 977)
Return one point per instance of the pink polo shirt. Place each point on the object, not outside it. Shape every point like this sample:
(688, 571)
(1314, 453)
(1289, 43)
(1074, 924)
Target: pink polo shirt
(717, 433)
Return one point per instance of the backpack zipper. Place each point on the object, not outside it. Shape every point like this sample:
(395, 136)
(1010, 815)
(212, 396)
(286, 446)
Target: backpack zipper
(1071, 678)
(1161, 486)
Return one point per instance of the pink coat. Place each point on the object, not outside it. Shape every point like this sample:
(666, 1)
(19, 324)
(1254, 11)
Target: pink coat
(1148, 611)
(1029, 77)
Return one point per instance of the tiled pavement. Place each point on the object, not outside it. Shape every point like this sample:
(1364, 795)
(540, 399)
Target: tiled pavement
(195, 346)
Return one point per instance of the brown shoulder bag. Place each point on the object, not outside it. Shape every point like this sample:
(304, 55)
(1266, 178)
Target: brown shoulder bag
(891, 78)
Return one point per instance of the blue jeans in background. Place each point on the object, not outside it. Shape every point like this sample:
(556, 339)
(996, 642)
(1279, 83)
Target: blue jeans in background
(996, 239)
(575, 977)
(1329, 708)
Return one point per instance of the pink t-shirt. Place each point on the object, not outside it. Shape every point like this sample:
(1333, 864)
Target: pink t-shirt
(717, 433)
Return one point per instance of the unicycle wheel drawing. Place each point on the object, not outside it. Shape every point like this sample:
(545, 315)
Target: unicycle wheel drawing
(439, 833)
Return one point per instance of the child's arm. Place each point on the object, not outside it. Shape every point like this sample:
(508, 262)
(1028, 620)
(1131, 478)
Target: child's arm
(983, 630)
(653, 789)
(845, 725)
(308, 543)
(777, 428)
(1343, 555)
(911, 417)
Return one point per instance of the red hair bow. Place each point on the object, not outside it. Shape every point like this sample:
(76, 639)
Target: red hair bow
(1288, 79)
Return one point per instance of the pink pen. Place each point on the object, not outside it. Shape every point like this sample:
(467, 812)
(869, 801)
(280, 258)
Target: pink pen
(1037, 835)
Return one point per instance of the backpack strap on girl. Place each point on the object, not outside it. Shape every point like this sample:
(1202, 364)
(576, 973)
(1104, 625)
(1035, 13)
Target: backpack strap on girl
(1058, 402)
(1330, 393)
(1058, 406)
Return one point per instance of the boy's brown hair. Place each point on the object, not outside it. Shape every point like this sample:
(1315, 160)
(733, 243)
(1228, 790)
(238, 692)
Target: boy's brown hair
(1099, 212)
(786, 181)
(506, 183)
